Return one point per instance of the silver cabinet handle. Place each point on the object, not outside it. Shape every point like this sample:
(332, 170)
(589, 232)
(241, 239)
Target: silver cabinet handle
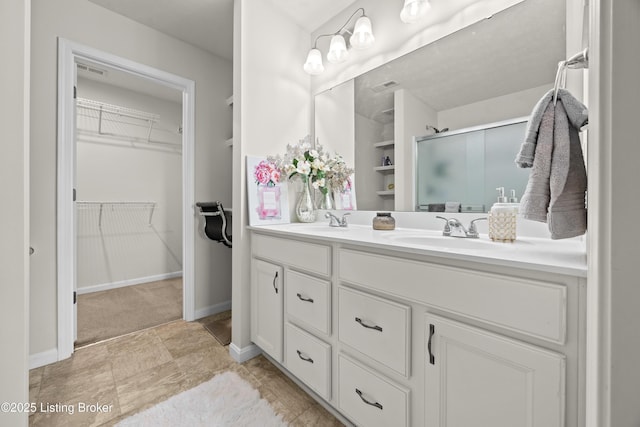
(306, 359)
(376, 327)
(376, 404)
(301, 298)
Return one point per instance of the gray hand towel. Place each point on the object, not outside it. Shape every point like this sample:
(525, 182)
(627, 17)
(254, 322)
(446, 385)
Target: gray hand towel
(535, 200)
(567, 216)
(525, 156)
(576, 111)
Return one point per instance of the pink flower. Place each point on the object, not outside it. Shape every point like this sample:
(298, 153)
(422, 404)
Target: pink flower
(266, 173)
(275, 175)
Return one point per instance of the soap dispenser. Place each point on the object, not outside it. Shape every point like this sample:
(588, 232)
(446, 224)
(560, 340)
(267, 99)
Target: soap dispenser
(502, 218)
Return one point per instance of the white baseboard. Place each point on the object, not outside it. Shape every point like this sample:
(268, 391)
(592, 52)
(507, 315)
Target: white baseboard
(243, 354)
(213, 309)
(44, 358)
(128, 282)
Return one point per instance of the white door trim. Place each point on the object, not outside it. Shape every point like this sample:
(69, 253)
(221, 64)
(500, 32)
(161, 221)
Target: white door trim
(68, 54)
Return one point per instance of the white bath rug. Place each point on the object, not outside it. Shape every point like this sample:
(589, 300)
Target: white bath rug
(225, 400)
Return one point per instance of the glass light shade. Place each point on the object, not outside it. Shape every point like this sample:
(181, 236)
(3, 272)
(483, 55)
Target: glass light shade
(362, 36)
(314, 65)
(337, 50)
(414, 10)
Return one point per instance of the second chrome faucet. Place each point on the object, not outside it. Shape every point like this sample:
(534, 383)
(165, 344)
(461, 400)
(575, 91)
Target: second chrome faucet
(454, 228)
(334, 221)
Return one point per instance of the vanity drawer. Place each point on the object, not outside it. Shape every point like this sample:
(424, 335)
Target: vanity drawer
(308, 300)
(309, 359)
(533, 307)
(375, 327)
(369, 399)
(311, 257)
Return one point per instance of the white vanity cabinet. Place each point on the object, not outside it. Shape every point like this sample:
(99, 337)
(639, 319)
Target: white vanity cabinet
(291, 307)
(267, 307)
(477, 378)
(404, 338)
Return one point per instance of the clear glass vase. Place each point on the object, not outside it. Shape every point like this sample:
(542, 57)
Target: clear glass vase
(327, 201)
(305, 209)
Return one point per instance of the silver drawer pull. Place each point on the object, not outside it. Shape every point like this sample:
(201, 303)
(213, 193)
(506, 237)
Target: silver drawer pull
(376, 404)
(306, 359)
(301, 298)
(376, 327)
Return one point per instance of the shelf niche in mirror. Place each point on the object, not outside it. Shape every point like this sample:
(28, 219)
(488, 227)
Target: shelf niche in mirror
(491, 71)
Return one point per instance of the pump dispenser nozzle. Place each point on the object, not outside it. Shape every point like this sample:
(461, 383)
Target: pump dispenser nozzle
(512, 197)
(501, 198)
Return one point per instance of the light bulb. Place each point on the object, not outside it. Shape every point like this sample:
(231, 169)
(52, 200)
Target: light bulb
(414, 10)
(362, 36)
(314, 65)
(337, 50)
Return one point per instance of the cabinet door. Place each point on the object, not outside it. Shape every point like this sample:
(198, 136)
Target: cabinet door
(267, 326)
(477, 378)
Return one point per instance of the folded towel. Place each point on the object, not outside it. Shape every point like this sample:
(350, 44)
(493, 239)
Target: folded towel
(435, 207)
(555, 192)
(452, 207)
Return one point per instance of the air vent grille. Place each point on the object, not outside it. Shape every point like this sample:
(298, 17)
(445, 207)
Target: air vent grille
(384, 86)
(92, 70)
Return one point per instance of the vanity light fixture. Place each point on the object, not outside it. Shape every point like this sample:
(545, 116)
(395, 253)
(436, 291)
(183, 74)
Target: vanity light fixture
(361, 38)
(414, 10)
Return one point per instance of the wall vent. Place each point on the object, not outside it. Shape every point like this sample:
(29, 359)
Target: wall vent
(92, 70)
(384, 86)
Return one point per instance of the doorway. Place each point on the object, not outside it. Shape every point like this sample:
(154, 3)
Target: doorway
(138, 214)
(128, 203)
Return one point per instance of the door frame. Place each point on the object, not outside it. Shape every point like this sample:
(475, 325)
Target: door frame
(68, 54)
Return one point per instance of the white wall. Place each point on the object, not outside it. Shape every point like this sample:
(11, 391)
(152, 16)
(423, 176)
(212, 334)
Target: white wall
(332, 107)
(14, 224)
(120, 245)
(83, 22)
(412, 116)
(511, 106)
(271, 109)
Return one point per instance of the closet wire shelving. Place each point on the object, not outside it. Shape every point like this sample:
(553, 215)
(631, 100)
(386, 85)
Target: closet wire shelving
(100, 119)
(145, 209)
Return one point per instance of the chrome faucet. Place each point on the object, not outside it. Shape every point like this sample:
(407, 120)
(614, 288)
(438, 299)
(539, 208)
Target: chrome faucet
(334, 221)
(454, 228)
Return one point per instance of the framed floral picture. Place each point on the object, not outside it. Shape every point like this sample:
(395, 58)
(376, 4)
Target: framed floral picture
(268, 196)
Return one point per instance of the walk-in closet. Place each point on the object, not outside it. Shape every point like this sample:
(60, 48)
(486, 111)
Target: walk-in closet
(128, 204)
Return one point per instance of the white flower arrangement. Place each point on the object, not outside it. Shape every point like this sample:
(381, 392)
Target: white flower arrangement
(312, 165)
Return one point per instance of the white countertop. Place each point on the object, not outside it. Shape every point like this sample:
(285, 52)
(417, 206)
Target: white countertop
(532, 253)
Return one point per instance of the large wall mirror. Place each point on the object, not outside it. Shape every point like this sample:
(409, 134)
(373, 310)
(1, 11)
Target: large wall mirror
(488, 73)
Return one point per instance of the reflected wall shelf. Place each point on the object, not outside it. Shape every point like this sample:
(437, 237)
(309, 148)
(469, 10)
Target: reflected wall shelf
(384, 144)
(386, 193)
(385, 169)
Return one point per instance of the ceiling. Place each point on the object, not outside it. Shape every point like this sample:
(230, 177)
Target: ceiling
(208, 24)
(517, 49)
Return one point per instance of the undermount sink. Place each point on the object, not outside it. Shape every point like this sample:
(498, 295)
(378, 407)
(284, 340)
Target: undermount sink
(443, 242)
(316, 227)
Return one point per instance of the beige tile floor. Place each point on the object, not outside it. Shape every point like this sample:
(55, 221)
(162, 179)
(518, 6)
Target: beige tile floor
(136, 371)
